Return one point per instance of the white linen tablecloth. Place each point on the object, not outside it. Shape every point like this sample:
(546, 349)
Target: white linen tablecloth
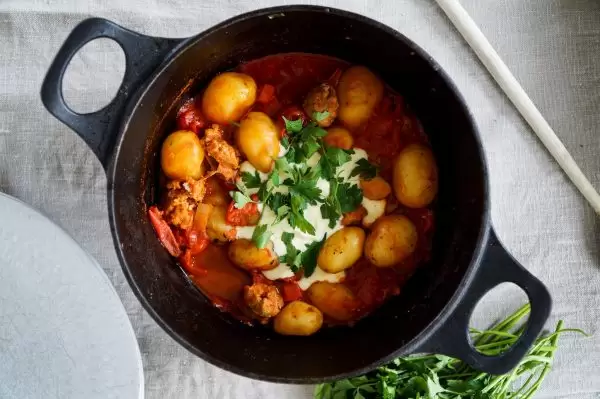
(552, 46)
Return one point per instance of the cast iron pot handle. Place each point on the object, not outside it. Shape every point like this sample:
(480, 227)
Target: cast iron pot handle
(497, 266)
(143, 54)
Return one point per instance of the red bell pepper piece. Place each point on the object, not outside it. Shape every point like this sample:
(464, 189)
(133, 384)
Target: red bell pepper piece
(164, 232)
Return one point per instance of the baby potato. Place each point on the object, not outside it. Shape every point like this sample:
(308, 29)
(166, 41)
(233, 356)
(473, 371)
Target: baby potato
(246, 255)
(359, 92)
(334, 299)
(339, 137)
(258, 139)
(376, 188)
(391, 240)
(298, 318)
(228, 97)
(182, 155)
(341, 250)
(415, 176)
(217, 227)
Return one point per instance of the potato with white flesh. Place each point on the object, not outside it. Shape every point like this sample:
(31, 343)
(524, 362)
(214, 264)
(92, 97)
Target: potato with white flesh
(341, 250)
(415, 176)
(339, 137)
(375, 209)
(376, 188)
(182, 155)
(258, 139)
(333, 299)
(359, 92)
(217, 227)
(392, 239)
(228, 97)
(243, 253)
(298, 318)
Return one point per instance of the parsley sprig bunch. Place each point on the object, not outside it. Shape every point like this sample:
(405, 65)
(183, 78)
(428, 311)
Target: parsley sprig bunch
(302, 142)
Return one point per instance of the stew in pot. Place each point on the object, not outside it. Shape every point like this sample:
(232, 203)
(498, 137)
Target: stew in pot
(296, 191)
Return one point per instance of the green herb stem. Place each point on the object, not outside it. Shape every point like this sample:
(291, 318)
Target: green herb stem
(442, 377)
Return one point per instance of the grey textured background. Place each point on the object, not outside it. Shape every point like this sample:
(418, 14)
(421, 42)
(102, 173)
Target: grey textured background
(552, 46)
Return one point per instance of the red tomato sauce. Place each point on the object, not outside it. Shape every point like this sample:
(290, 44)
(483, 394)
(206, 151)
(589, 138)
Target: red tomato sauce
(283, 81)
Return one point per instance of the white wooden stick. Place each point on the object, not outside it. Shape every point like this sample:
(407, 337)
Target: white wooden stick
(498, 69)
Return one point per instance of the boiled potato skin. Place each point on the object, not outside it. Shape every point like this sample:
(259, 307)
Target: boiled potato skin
(182, 155)
(359, 92)
(391, 240)
(376, 188)
(258, 139)
(339, 137)
(333, 299)
(217, 227)
(298, 318)
(243, 253)
(341, 250)
(415, 176)
(228, 97)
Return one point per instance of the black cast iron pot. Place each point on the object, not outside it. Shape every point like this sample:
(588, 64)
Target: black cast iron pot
(432, 313)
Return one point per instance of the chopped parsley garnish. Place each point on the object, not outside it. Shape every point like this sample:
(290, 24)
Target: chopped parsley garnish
(292, 256)
(349, 197)
(343, 197)
(365, 169)
(251, 180)
(296, 260)
(293, 173)
(239, 199)
(320, 116)
(260, 236)
(309, 257)
(293, 126)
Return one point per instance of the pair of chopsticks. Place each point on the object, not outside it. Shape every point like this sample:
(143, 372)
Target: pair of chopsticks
(513, 90)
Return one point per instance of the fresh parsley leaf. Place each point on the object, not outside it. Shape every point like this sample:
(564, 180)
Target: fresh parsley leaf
(260, 236)
(290, 155)
(327, 169)
(281, 213)
(319, 116)
(329, 211)
(298, 221)
(294, 126)
(349, 197)
(312, 131)
(285, 142)
(292, 256)
(281, 164)
(365, 169)
(308, 190)
(274, 178)
(313, 173)
(239, 199)
(298, 203)
(309, 257)
(337, 156)
(310, 146)
(277, 200)
(250, 180)
(263, 192)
